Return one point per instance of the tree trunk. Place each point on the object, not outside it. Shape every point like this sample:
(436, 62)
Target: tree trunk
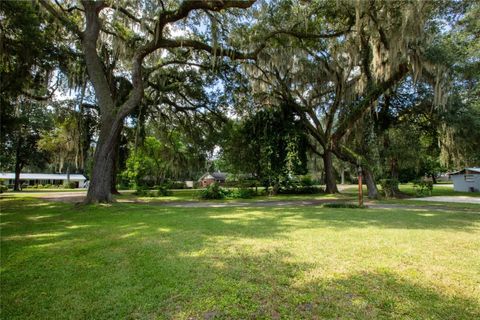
(18, 166)
(330, 183)
(394, 172)
(103, 166)
(371, 185)
(394, 176)
(18, 169)
(113, 187)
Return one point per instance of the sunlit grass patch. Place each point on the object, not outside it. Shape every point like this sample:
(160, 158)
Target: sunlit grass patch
(127, 260)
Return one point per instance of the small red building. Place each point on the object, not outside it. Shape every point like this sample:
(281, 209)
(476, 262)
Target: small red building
(209, 178)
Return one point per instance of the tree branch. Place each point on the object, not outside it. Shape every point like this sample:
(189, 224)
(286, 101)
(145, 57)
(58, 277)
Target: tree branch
(359, 109)
(61, 18)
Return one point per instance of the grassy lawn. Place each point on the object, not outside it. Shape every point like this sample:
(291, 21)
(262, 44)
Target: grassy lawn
(144, 261)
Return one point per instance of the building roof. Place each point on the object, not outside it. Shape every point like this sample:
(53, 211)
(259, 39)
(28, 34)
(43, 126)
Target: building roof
(474, 169)
(43, 176)
(215, 175)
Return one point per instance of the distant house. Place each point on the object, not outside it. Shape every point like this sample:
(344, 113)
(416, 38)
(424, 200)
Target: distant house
(466, 180)
(32, 179)
(209, 178)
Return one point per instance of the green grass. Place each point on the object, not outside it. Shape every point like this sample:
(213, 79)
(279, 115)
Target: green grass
(131, 261)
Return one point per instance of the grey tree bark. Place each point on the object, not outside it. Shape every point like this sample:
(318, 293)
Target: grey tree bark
(330, 181)
(371, 185)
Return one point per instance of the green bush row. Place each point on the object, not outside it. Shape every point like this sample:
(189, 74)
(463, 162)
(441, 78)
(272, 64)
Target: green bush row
(161, 191)
(214, 191)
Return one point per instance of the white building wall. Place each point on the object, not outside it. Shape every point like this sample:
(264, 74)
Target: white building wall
(459, 183)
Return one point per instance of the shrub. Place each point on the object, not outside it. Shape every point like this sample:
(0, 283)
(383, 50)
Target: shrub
(3, 188)
(232, 184)
(175, 185)
(162, 191)
(142, 191)
(69, 185)
(243, 193)
(306, 181)
(423, 187)
(389, 187)
(213, 191)
(300, 190)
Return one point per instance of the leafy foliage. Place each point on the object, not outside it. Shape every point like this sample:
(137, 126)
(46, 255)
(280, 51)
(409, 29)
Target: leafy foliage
(213, 192)
(270, 145)
(389, 187)
(423, 187)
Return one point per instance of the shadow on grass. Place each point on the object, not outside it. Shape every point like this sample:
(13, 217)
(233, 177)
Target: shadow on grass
(26, 220)
(129, 261)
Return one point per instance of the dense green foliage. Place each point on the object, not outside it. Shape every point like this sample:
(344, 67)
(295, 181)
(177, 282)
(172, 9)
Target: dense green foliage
(216, 192)
(270, 145)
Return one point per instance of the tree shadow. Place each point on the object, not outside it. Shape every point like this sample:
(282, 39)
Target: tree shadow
(387, 218)
(129, 261)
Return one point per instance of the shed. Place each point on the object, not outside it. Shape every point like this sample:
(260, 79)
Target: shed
(466, 180)
(209, 178)
(44, 178)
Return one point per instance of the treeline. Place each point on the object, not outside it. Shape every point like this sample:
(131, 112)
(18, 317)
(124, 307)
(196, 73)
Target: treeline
(268, 89)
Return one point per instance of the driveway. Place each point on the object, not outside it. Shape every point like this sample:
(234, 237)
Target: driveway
(451, 199)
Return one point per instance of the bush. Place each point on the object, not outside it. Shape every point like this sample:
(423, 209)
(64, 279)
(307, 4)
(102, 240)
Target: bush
(70, 185)
(213, 191)
(306, 181)
(142, 191)
(175, 185)
(3, 188)
(243, 193)
(423, 187)
(300, 190)
(232, 184)
(389, 187)
(162, 191)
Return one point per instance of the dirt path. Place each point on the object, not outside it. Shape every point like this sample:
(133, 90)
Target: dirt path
(450, 199)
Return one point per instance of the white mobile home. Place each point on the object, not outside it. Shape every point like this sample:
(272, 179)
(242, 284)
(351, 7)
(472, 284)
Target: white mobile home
(43, 178)
(466, 180)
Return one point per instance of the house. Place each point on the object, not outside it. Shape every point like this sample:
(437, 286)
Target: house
(209, 178)
(466, 180)
(32, 179)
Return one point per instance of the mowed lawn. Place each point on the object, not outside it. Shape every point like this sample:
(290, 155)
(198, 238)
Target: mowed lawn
(132, 261)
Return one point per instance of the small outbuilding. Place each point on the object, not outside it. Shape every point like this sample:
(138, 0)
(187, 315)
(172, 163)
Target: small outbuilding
(209, 178)
(32, 179)
(466, 180)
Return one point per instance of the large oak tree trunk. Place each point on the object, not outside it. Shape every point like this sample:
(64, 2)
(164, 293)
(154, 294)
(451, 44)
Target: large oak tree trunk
(103, 167)
(371, 185)
(330, 183)
(115, 168)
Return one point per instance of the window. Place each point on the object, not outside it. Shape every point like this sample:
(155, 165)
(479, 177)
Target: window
(469, 178)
